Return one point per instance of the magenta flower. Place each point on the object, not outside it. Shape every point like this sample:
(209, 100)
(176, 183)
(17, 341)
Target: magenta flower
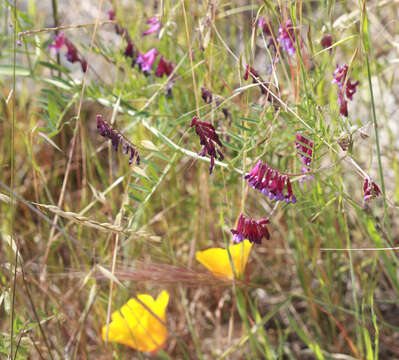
(346, 88)
(326, 42)
(265, 26)
(271, 183)
(155, 26)
(59, 42)
(72, 54)
(304, 147)
(209, 139)
(117, 138)
(250, 229)
(370, 189)
(287, 37)
(111, 14)
(164, 67)
(146, 60)
(306, 178)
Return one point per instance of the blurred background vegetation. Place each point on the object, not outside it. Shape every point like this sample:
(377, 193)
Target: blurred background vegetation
(92, 231)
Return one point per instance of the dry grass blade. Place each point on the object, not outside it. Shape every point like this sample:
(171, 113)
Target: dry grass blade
(104, 227)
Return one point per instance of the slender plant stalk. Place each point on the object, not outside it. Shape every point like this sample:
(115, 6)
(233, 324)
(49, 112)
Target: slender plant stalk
(12, 184)
(54, 4)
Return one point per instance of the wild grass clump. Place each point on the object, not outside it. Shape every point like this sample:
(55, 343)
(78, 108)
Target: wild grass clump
(199, 180)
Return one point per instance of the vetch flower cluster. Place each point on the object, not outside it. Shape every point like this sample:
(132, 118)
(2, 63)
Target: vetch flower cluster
(271, 182)
(209, 139)
(72, 54)
(286, 37)
(250, 229)
(346, 88)
(304, 147)
(370, 189)
(135, 326)
(117, 138)
(145, 61)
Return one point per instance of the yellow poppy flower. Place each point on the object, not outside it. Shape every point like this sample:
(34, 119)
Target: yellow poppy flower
(217, 259)
(135, 326)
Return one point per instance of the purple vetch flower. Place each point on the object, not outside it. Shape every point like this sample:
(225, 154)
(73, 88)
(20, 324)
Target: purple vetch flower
(146, 60)
(304, 147)
(286, 37)
(164, 67)
(250, 229)
(117, 138)
(326, 42)
(306, 178)
(265, 26)
(72, 54)
(155, 26)
(370, 189)
(59, 42)
(271, 182)
(346, 88)
(208, 138)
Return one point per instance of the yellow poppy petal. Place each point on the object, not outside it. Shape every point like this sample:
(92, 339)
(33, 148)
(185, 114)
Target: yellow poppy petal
(217, 259)
(135, 326)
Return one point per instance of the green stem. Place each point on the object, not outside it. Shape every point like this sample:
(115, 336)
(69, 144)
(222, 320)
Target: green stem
(54, 4)
(377, 145)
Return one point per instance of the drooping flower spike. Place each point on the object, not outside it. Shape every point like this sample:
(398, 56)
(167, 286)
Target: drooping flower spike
(217, 260)
(346, 88)
(117, 138)
(250, 229)
(304, 147)
(271, 182)
(370, 189)
(209, 139)
(133, 325)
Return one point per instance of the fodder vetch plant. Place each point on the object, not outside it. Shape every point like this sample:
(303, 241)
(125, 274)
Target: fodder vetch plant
(199, 180)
